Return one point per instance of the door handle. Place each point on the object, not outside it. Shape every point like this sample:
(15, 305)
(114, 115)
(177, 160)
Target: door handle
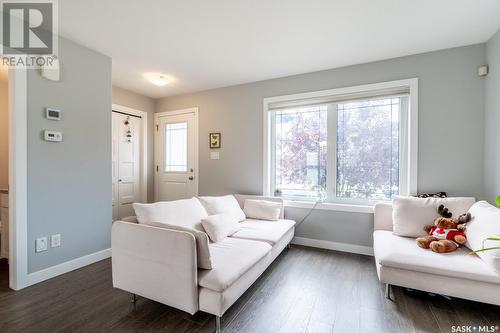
(191, 178)
(119, 180)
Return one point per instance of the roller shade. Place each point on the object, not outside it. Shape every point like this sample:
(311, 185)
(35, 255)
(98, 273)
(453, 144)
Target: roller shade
(327, 99)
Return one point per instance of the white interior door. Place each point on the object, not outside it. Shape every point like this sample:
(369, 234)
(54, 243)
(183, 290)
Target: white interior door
(126, 164)
(176, 155)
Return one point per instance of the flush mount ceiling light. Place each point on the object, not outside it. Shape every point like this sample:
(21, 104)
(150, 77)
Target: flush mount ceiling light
(158, 79)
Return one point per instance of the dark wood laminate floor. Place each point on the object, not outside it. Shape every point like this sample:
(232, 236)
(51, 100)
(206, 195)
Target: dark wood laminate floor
(305, 290)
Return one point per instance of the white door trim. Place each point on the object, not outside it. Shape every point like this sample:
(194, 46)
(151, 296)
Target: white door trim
(196, 145)
(144, 148)
(18, 179)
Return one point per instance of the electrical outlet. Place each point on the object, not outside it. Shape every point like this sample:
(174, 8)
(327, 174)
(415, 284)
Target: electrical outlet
(55, 240)
(41, 244)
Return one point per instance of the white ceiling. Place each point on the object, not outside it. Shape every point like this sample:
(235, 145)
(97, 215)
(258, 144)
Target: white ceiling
(207, 44)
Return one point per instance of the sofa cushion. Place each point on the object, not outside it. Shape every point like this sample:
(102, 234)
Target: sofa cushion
(485, 223)
(402, 252)
(410, 215)
(185, 213)
(264, 231)
(232, 257)
(220, 226)
(242, 197)
(204, 259)
(221, 205)
(131, 219)
(262, 210)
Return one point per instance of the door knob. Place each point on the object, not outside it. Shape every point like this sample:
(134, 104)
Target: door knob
(191, 178)
(119, 180)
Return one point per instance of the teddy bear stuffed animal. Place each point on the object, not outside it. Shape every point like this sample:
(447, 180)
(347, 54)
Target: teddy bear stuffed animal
(447, 233)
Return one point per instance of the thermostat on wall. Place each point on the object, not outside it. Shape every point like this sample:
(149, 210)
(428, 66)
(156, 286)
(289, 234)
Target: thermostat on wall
(52, 136)
(52, 114)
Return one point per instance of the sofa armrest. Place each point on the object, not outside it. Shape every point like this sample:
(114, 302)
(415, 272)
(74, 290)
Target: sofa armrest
(382, 217)
(242, 197)
(156, 263)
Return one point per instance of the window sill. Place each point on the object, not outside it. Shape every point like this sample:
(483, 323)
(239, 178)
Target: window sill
(339, 207)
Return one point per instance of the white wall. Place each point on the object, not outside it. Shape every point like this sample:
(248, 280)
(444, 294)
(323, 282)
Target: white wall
(451, 125)
(139, 102)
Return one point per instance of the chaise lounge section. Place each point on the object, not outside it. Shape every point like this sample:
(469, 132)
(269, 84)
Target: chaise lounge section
(402, 263)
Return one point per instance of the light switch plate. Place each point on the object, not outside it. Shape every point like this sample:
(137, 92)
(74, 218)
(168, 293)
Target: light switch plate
(55, 240)
(41, 244)
(52, 136)
(214, 155)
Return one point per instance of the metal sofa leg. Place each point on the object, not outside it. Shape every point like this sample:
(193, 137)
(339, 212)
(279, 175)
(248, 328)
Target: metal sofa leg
(388, 291)
(133, 298)
(217, 324)
(289, 246)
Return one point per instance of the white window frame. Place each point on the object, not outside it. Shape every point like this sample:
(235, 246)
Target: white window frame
(408, 135)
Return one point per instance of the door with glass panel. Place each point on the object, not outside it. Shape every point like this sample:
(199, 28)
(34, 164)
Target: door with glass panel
(176, 155)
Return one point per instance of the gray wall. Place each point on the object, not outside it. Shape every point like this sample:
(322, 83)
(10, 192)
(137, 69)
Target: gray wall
(451, 124)
(69, 183)
(139, 102)
(492, 120)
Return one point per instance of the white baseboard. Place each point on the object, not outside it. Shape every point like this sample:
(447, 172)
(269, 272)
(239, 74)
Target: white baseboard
(67, 266)
(343, 247)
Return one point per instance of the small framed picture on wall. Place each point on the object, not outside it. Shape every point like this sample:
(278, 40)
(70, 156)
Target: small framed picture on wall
(214, 139)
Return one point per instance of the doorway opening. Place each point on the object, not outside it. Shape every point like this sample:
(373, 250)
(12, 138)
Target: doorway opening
(15, 216)
(4, 176)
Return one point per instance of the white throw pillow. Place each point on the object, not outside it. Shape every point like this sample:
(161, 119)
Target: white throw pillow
(204, 259)
(185, 213)
(485, 223)
(220, 226)
(262, 209)
(410, 215)
(226, 204)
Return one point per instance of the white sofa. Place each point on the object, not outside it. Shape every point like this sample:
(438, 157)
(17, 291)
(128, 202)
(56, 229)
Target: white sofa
(161, 264)
(401, 262)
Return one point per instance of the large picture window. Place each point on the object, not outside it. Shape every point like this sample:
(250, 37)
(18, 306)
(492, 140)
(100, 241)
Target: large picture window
(347, 147)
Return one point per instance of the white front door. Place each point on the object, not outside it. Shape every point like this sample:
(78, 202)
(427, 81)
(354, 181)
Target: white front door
(176, 155)
(126, 163)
